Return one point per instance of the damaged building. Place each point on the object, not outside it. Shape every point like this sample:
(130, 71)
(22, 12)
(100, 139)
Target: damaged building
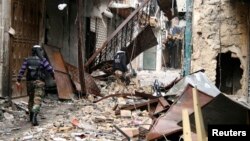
(188, 55)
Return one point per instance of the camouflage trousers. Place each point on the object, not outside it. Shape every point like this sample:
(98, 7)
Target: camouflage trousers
(35, 90)
(118, 76)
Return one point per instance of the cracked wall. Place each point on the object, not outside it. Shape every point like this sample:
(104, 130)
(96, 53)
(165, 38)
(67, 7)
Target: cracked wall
(220, 26)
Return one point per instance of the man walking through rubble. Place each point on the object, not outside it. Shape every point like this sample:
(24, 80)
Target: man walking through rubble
(120, 66)
(35, 65)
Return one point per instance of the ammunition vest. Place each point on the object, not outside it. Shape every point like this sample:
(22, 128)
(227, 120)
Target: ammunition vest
(34, 67)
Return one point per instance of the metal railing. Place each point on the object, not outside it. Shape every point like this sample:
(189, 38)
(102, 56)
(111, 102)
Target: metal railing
(123, 35)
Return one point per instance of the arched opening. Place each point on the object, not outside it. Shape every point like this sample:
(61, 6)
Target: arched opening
(228, 73)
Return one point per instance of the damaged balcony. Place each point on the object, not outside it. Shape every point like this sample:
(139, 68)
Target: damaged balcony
(131, 33)
(122, 8)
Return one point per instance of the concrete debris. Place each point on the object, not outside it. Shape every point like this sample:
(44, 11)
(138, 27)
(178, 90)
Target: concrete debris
(98, 73)
(27, 138)
(131, 132)
(129, 108)
(8, 116)
(126, 113)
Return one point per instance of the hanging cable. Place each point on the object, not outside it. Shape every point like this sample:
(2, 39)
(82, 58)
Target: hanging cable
(172, 10)
(248, 30)
(219, 63)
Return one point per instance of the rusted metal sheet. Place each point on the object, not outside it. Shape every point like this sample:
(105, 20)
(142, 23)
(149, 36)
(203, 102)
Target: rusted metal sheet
(137, 94)
(144, 105)
(165, 6)
(145, 40)
(163, 102)
(25, 21)
(115, 41)
(220, 109)
(168, 123)
(91, 86)
(123, 12)
(63, 82)
(159, 109)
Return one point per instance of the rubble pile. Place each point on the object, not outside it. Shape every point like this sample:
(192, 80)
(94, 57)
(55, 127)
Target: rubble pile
(82, 119)
(130, 112)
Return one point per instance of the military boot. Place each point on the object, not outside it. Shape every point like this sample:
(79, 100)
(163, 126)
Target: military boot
(34, 119)
(31, 116)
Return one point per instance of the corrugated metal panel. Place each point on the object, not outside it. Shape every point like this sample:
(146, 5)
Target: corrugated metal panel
(90, 84)
(63, 82)
(168, 123)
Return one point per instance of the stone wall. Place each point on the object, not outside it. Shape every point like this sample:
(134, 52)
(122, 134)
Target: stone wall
(5, 14)
(220, 26)
(1, 49)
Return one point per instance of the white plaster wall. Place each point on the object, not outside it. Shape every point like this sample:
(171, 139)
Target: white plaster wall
(219, 26)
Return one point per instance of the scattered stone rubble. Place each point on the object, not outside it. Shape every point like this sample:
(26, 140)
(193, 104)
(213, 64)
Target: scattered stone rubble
(82, 120)
(89, 119)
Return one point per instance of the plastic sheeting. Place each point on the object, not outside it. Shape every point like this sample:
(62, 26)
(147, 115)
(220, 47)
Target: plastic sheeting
(198, 80)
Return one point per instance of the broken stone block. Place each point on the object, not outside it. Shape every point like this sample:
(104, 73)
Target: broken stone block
(27, 138)
(88, 109)
(131, 132)
(126, 113)
(144, 113)
(97, 73)
(59, 139)
(65, 129)
(121, 101)
(147, 123)
(87, 126)
(91, 98)
(8, 116)
(58, 124)
(100, 119)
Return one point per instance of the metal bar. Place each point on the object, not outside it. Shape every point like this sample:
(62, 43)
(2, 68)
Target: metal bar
(81, 46)
(122, 37)
(132, 29)
(126, 34)
(147, 13)
(188, 37)
(91, 59)
(124, 134)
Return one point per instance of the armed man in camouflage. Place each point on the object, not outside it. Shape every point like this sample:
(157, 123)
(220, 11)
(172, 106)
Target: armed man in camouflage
(35, 65)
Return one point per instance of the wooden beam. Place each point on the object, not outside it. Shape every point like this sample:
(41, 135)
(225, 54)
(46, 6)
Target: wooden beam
(81, 47)
(186, 125)
(200, 130)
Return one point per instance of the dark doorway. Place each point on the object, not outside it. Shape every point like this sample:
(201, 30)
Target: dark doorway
(228, 73)
(172, 54)
(25, 19)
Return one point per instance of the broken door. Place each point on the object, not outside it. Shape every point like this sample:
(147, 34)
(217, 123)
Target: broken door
(25, 22)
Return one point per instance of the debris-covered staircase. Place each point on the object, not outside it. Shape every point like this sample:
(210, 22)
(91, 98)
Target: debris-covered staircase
(134, 32)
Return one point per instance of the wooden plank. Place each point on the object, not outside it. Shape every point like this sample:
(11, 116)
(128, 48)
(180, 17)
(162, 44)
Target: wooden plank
(199, 123)
(168, 123)
(186, 125)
